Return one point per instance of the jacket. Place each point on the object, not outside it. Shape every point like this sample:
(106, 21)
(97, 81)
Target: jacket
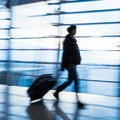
(71, 52)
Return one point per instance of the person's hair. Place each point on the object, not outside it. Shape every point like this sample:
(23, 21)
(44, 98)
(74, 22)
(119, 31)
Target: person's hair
(71, 28)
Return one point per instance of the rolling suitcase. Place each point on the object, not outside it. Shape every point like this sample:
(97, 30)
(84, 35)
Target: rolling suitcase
(43, 83)
(41, 86)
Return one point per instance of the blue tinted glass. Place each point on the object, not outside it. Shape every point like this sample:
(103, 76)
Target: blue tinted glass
(38, 28)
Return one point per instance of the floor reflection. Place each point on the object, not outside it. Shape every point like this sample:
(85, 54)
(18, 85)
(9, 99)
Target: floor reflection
(39, 111)
(59, 111)
(65, 116)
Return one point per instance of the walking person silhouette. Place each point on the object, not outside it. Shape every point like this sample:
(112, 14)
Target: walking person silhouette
(70, 59)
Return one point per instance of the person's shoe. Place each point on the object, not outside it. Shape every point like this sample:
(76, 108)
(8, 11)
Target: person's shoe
(80, 105)
(56, 95)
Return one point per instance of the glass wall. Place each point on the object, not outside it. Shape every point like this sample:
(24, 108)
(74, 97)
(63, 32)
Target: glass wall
(31, 37)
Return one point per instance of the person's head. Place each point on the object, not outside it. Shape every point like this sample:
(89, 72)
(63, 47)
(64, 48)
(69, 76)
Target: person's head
(72, 30)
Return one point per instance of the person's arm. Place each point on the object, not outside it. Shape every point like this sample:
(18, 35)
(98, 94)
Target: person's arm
(65, 54)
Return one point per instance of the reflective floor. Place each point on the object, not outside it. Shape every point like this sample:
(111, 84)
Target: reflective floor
(15, 105)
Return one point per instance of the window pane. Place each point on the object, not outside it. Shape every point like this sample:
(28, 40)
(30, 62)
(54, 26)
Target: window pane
(95, 17)
(95, 5)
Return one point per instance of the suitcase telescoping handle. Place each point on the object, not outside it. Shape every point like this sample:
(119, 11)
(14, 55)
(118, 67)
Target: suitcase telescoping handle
(59, 72)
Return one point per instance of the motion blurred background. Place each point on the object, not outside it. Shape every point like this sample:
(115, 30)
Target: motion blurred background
(31, 35)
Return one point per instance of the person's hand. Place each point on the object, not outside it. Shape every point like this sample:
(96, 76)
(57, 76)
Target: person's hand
(62, 67)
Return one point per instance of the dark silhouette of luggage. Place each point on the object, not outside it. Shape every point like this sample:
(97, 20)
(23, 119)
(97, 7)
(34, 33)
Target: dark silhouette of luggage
(41, 86)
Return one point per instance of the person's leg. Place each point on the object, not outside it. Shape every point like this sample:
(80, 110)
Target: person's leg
(76, 83)
(76, 88)
(61, 87)
(70, 69)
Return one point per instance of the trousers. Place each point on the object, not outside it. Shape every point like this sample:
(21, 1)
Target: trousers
(72, 76)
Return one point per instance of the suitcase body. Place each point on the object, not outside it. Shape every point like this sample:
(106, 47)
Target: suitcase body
(41, 86)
